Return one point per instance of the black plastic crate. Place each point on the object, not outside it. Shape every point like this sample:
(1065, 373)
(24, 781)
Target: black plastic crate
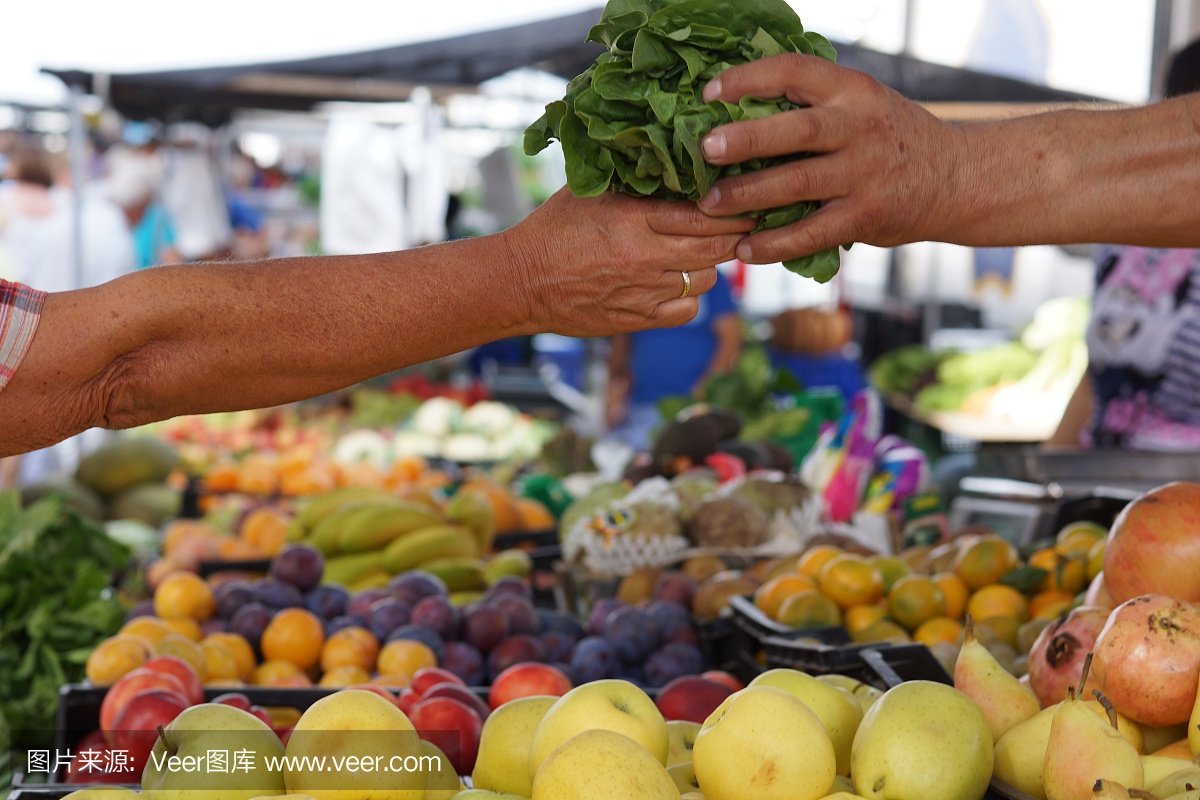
(526, 540)
(42, 792)
(753, 629)
(254, 566)
(892, 665)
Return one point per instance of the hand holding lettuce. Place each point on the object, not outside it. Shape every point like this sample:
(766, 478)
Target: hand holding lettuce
(633, 122)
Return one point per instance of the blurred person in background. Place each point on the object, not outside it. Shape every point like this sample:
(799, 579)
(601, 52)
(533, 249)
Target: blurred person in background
(1142, 388)
(132, 184)
(646, 366)
(250, 238)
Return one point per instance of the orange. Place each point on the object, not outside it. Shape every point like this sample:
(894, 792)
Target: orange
(1078, 538)
(1067, 574)
(891, 568)
(809, 609)
(266, 529)
(860, 617)
(914, 599)
(115, 657)
(882, 631)
(221, 477)
(361, 474)
(309, 481)
(183, 530)
(183, 594)
(295, 635)
(187, 628)
(770, 596)
(404, 657)
(774, 567)
(220, 663)
(231, 548)
(956, 593)
(190, 651)
(408, 469)
(350, 647)
(1095, 559)
(504, 508)
(239, 648)
(984, 560)
(937, 629)
(533, 515)
(850, 581)
(269, 673)
(391, 681)
(1002, 629)
(998, 601)
(815, 558)
(283, 716)
(1050, 604)
(152, 629)
(341, 677)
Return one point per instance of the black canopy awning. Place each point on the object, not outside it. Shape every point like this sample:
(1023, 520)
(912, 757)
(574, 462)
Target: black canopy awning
(211, 95)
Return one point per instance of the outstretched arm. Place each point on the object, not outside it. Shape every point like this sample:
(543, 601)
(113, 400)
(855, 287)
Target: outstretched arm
(205, 338)
(888, 172)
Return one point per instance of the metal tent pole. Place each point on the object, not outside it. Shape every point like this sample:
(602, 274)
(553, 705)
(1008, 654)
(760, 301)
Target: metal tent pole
(77, 153)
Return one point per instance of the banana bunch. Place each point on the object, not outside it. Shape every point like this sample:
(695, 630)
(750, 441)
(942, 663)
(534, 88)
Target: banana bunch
(368, 535)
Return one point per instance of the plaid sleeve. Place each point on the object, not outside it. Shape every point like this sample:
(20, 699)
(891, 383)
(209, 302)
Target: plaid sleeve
(20, 310)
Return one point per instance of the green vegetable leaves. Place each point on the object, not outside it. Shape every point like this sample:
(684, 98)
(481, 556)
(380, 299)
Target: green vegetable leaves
(633, 122)
(55, 605)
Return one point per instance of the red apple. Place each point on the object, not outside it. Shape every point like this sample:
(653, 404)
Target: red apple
(406, 700)
(235, 699)
(691, 698)
(193, 689)
(116, 699)
(456, 691)
(527, 680)
(285, 735)
(425, 679)
(451, 726)
(262, 714)
(136, 727)
(724, 678)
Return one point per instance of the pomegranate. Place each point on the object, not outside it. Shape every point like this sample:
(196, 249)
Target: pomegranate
(1097, 594)
(1154, 545)
(1056, 660)
(1147, 659)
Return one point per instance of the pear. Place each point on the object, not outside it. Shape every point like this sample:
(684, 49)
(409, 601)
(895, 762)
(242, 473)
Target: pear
(1084, 749)
(1178, 782)
(1157, 768)
(1193, 734)
(1003, 700)
(1020, 754)
(1111, 790)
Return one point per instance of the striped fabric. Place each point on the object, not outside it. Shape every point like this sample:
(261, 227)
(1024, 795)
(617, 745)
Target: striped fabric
(20, 310)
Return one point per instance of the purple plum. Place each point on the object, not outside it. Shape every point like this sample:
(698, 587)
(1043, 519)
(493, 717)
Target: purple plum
(484, 627)
(673, 661)
(593, 659)
(143, 608)
(360, 604)
(276, 594)
(522, 617)
(419, 633)
(464, 661)
(232, 596)
(301, 565)
(633, 633)
(387, 615)
(560, 622)
(414, 586)
(250, 621)
(327, 601)
(517, 649)
(345, 621)
(558, 645)
(438, 614)
(510, 586)
(599, 613)
(669, 616)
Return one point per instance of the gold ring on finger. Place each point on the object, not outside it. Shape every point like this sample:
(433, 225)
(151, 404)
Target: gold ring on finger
(687, 284)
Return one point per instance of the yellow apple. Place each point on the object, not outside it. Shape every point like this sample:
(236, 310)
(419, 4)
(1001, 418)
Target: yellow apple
(837, 709)
(441, 783)
(603, 765)
(503, 761)
(102, 794)
(922, 739)
(684, 776)
(610, 705)
(682, 734)
(367, 747)
(764, 743)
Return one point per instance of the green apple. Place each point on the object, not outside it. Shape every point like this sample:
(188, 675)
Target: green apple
(603, 765)
(102, 794)
(503, 761)
(837, 709)
(182, 764)
(922, 739)
(682, 734)
(369, 749)
(764, 743)
(684, 776)
(442, 783)
(610, 705)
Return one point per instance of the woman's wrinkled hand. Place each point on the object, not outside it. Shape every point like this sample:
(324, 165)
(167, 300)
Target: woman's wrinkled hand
(882, 166)
(613, 264)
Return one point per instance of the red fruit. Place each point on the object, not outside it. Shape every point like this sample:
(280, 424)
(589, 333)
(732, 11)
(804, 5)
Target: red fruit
(1056, 659)
(528, 680)
(691, 698)
(726, 465)
(136, 728)
(92, 763)
(263, 714)
(1147, 659)
(1153, 547)
(193, 689)
(456, 691)
(453, 727)
(425, 679)
(406, 700)
(285, 735)
(723, 678)
(118, 695)
(235, 699)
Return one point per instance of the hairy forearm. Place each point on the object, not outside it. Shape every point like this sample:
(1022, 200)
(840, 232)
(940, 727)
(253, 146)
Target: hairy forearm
(1129, 176)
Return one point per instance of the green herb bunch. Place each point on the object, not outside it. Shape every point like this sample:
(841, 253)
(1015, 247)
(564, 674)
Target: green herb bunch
(633, 122)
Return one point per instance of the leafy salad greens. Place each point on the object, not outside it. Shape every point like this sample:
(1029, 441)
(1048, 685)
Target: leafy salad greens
(633, 122)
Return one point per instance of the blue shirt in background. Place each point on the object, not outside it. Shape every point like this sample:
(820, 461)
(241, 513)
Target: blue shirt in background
(669, 361)
(152, 234)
